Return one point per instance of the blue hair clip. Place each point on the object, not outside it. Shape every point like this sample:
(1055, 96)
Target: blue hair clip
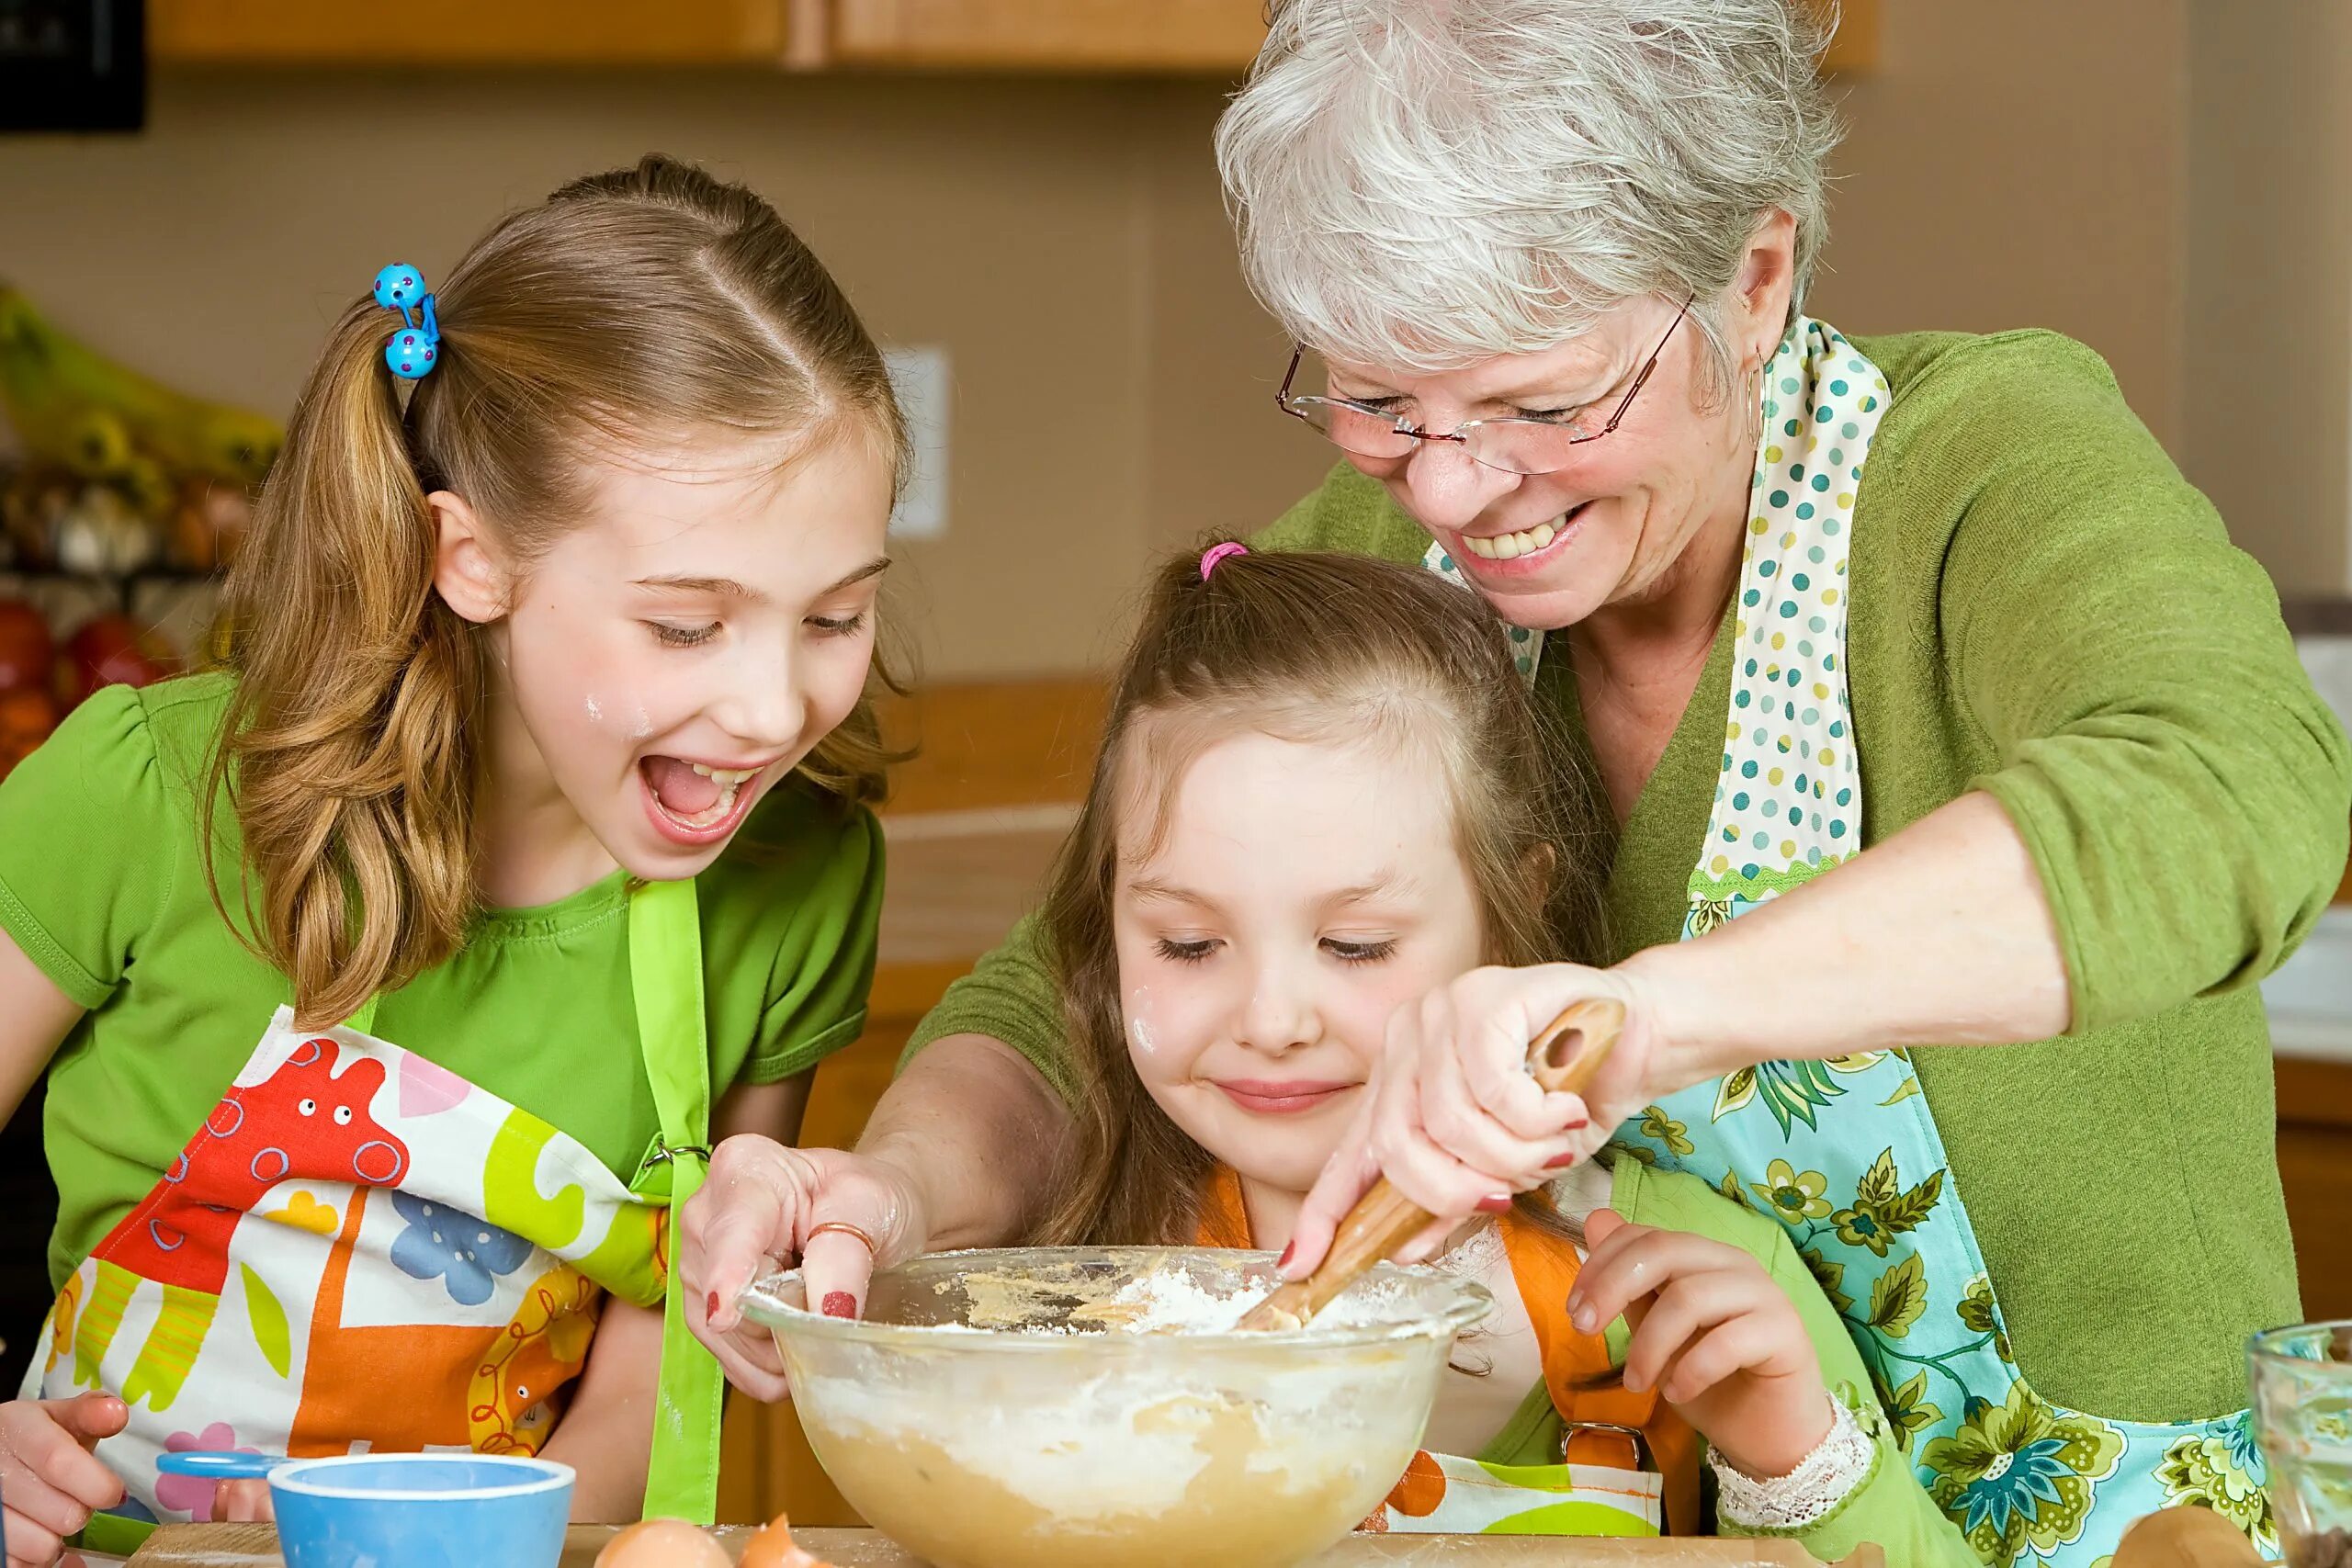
(412, 352)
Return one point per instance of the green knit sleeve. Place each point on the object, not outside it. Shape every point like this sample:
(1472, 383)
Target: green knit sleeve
(2178, 784)
(1009, 996)
(1888, 1507)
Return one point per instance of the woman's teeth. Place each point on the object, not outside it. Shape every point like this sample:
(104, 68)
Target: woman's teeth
(1510, 547)
(727, 777)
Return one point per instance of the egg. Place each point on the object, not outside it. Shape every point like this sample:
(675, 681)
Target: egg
(772, 1548)
(661, 1543)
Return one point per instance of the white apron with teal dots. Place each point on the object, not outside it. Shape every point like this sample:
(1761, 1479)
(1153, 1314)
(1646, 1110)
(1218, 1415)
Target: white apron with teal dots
(1845, 1154)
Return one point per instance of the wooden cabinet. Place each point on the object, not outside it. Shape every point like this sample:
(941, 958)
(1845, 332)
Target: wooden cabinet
(467, 32)
(1219, 36)
(1172, 37)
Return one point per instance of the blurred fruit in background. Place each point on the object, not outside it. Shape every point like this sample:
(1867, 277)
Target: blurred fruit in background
(118, 479)
(27, 716)
(74, 409)
(110, 650)
(27, 652)
(118, 473)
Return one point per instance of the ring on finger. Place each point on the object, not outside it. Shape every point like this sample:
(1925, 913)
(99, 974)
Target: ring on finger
(842, 1227)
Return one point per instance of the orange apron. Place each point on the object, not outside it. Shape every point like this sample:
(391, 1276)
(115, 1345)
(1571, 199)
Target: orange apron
(1599, 1483)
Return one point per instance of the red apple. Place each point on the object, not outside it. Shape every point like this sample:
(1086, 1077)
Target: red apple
(27, 716)
(111, 651)
(26, 650)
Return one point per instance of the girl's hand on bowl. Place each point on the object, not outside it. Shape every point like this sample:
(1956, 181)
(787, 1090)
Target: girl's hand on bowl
(243, 1503)
(1455, 1120)
(50, 1480)
(1714, 1335)
(765, 1205)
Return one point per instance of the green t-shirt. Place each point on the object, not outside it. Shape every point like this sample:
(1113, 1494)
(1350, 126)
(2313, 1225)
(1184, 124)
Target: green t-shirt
(101, 884)
(2044, 609)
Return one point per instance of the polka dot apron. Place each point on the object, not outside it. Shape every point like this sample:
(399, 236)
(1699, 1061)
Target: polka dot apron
(1845, 1153)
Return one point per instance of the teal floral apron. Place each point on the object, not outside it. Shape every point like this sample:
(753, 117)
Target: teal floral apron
(1845, 1153)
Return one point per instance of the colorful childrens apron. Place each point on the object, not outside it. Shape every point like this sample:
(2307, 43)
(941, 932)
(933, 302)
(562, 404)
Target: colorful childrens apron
(1626, 1465)
(1845, 1154)
(359, 1250)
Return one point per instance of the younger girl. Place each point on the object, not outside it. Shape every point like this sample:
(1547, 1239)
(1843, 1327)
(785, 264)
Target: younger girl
(1323, 794)
(524, 831)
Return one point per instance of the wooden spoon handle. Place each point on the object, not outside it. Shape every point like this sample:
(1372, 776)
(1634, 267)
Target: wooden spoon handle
(1563, 1056)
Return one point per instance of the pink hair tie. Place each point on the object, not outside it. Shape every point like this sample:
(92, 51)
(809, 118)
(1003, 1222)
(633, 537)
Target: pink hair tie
(1216, 553)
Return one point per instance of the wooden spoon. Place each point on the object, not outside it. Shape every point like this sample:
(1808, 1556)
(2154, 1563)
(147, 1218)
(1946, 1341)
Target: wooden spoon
(1384, 1219)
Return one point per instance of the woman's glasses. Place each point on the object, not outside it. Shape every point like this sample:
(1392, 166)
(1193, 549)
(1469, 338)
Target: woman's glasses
(1514, 445)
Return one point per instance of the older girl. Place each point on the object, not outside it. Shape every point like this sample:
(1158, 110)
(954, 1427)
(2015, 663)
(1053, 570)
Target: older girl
(522, 830)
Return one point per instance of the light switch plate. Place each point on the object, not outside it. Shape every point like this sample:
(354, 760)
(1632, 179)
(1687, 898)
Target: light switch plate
(919, 375)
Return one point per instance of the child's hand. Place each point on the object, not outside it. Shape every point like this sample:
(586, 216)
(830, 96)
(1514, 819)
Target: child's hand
(49, 1479)
(243, 1503)
(1714, 1335)
(765, 1204)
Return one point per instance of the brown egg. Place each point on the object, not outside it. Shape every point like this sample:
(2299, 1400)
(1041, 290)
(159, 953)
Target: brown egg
(662, 1543)
(772, 1548)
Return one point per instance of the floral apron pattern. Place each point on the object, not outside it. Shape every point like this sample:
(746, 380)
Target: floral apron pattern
(359, 1250)
(1845, 1154)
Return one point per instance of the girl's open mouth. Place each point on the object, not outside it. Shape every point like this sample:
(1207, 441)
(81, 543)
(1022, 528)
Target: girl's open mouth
(692, 802)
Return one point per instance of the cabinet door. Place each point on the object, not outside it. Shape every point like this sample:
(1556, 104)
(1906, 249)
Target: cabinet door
(1218, 36)
(1212, 35)
(466, 32)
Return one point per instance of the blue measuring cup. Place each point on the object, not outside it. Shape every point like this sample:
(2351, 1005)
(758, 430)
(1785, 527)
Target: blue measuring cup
(363, 1510)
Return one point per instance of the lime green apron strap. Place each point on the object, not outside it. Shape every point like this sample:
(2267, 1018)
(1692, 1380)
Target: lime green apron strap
(364, 1020)
(666, 972)
(111, 1535)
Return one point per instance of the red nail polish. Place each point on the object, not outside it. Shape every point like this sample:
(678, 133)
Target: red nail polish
(1560, 1162)
(840, 1304)
(710, 1307)
(1495, 1205)
(1284, 1262)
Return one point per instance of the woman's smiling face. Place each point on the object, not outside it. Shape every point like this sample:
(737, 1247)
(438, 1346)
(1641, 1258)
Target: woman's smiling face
(1548, 549)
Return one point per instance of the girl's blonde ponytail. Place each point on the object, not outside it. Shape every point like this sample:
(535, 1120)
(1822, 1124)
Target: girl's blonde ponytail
(349, 744)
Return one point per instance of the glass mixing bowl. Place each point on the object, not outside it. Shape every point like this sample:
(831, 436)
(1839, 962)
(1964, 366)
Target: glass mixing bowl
(1017, 1408)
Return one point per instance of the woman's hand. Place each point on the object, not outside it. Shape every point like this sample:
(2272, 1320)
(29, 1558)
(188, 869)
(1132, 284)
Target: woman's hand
(762, 1205)
(1714, 1335)
(1455, 1120)
(49, 1479)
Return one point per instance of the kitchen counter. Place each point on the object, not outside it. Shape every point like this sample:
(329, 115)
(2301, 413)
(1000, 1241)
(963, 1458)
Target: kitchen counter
(2310, 997)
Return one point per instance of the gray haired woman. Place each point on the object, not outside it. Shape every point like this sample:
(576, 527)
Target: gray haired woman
(1934, 711)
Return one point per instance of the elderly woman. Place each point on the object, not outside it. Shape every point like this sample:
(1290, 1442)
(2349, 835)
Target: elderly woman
(1965, 779)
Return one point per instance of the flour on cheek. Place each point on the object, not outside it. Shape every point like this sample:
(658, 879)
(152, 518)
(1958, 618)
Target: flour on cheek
(1140, 1020)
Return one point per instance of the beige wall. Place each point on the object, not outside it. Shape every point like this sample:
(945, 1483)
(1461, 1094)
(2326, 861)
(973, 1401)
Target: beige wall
(2269, 263)
(2010, 162)
(1062, 239)
(2018, 163)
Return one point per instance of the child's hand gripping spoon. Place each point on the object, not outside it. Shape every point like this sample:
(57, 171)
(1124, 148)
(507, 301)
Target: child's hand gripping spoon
(1384, 1219)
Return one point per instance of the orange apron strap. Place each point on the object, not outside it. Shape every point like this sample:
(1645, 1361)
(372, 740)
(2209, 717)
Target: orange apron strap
(1224, 1218)
(1545, 1267)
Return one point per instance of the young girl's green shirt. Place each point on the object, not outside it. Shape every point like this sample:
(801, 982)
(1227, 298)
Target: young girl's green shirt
(102, 884)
